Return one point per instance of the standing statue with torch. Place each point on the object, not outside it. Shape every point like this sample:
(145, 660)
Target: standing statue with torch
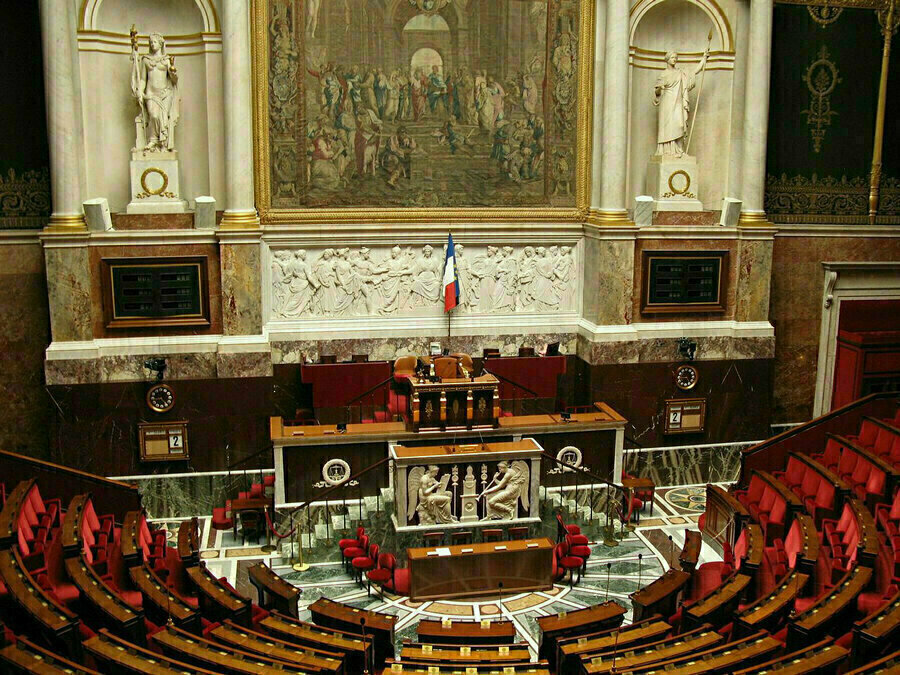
(154, 83)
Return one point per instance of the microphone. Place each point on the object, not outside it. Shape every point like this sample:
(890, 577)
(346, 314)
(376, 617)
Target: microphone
(608, 568)
(362, 625)
(671, 553)
(640, 568)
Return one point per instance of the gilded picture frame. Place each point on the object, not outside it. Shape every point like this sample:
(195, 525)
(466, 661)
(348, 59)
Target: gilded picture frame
(563, 201)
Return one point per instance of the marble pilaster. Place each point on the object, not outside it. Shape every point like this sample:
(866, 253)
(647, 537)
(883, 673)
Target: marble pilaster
(240, 209)
(241, 291)
(599, 89)
(64, 129)
(69, 290)
(614, 152)
(756, 111)
(754, 276)
(608, 280)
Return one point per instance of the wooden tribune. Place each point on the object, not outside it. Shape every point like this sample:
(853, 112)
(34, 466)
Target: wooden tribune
(478, 569)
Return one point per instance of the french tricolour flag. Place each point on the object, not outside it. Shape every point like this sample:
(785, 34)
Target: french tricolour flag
(451, 277)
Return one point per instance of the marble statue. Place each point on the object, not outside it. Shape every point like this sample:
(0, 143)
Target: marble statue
(429, 497)
(154, 83)
(312, 17)
(510, 484)
(670, 96)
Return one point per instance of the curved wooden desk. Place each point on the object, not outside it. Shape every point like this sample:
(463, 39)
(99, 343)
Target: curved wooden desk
(467, 632)
(478, 569)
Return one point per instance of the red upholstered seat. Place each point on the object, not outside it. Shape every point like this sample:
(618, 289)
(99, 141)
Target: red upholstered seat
(219, 520)
(344, 543)
(581, 550)
(867, 603)
(352, 552)
(399, 584)
(569, 563)
(366, 562)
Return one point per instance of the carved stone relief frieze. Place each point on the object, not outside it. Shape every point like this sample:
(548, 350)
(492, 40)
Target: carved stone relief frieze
(344, 282)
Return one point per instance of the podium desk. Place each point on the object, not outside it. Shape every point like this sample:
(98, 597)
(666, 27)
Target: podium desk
(454, 403)
(477, 569)
(467, 633)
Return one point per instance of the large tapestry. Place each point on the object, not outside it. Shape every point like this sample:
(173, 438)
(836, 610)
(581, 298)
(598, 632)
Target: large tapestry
(826, 65)
(419, 104)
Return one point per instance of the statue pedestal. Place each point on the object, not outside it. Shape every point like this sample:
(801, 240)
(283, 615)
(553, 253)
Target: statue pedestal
(673, 183)
(469, 509)
(155, 183)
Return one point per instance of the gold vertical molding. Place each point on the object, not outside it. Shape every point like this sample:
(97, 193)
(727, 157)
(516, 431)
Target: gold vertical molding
(585, 124)
(259, 51)
(875, 178)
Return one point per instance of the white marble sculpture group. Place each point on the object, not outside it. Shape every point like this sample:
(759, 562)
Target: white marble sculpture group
(340, 282)
(431, 502)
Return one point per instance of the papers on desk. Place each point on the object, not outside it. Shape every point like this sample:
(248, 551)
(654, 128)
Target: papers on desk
(466, 550)
(500, 547)
(532, 544)
(441, 552)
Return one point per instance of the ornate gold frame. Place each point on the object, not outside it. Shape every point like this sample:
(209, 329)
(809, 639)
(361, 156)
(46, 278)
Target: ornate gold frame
(259, 10)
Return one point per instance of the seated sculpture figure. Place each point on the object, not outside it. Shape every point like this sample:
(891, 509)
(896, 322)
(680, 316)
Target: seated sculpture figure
(428, 497)
(502, 496)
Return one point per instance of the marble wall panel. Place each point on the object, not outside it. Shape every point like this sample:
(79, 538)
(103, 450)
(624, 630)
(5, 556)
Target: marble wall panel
(241, 290)
(662, 350)
(98, 253)
(244, 364)
(389, 349)
(754, 275)
(687, 465)
(730, 245)
(796, 311)
(69, 293)
(190, 366)
(24, 334)
(608, 281)
(393, 281)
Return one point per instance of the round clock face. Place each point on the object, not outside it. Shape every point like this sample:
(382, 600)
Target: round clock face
(160, 398)
(686, 377)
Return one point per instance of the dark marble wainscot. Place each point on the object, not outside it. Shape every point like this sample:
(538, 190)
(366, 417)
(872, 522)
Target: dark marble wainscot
(183, 496)
(688, 465)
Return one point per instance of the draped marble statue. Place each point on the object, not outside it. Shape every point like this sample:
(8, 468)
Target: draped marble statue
(510, 484)
(428, 497)
(670, 96)
(154, 83)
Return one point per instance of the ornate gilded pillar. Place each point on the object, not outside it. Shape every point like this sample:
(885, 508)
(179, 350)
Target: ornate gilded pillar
(64, 128)
(756, 112)
(614, 151)
(240, 207)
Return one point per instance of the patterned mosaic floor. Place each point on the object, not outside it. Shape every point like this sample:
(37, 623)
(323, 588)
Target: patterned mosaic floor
(612, 572)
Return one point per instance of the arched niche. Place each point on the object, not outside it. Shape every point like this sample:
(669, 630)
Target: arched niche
(652, 20)
(657, 26)
(171, 17)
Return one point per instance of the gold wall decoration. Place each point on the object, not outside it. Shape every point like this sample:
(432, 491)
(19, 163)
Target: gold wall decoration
(824, 15)
(828, 200)
(420, 111)
(821, 78)
(24, 199)
(851, 4)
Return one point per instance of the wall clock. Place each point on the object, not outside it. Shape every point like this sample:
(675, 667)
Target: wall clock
(160, 398)
(686, 377)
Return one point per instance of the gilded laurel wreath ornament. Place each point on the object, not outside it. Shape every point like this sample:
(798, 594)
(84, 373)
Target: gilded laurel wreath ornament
(159, 191)
(684, 189)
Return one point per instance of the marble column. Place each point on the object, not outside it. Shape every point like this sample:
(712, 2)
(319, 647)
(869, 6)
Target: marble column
(240, 207)
(614, 151)
(64, 129)
(756, 112)
(599, 62)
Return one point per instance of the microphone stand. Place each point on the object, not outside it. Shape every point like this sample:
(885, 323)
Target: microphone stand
(640, 569)
(362, 625)
(608, 568)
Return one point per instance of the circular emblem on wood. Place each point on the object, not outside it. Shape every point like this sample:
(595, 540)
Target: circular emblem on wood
(570, 455)
(335, 471)
(165, 181)
(687, 182)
